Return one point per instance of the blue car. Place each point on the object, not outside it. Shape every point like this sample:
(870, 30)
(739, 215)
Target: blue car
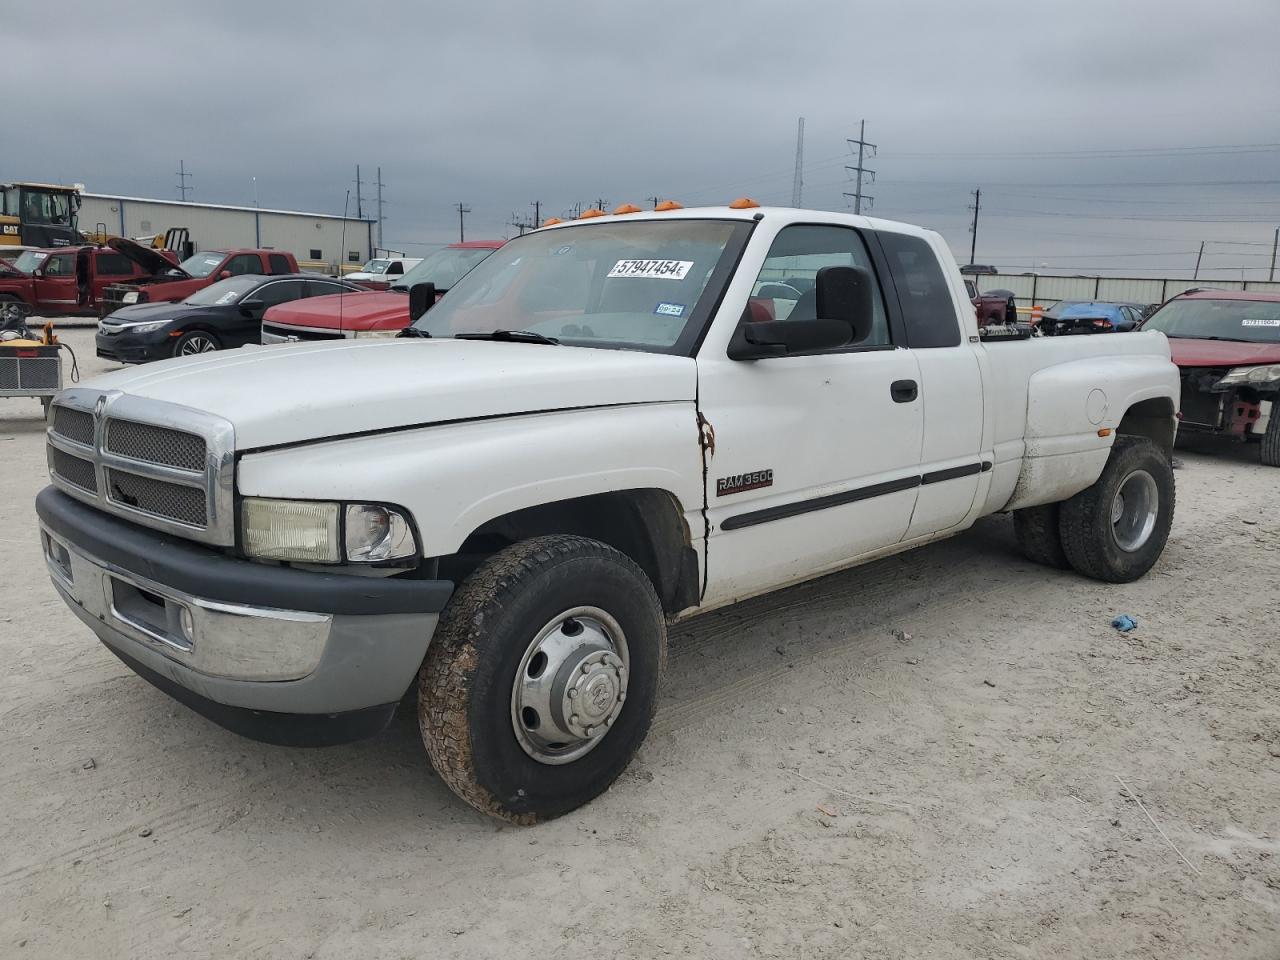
(1091, 316)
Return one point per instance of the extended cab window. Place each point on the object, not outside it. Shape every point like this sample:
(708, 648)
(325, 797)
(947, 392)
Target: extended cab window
(243, 263)
(279, 263)
(786, 286)
(923, 293)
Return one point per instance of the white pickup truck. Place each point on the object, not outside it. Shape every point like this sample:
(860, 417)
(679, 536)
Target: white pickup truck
(607, 426)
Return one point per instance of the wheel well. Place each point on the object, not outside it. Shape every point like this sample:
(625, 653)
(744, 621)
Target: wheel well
(1154, 419)
(647, 525)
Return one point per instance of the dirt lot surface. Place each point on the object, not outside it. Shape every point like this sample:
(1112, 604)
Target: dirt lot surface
(814, 785)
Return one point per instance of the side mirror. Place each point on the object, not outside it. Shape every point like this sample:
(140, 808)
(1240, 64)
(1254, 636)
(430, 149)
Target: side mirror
(843, 308)
(224, 274)
(422, 297)
(252, 308)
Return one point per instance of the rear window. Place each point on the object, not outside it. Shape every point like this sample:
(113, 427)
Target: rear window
(279, 263)
(923, 292)
(114, 265)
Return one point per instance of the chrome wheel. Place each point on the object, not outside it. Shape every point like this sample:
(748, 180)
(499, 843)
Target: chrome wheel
(1133, 511)
(570, 685)
(196, 343)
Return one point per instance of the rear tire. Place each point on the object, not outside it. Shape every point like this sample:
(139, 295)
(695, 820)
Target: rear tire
(1038, 535)
(1269, 451)
(1116, 529)
(542, 626)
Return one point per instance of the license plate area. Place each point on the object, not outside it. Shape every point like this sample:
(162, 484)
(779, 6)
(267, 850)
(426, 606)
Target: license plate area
(59, 560)
(161, 618)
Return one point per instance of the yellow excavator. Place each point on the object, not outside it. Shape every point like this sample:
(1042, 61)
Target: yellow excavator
(39, 215)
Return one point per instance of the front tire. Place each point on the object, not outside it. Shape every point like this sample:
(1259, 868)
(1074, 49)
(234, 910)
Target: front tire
(195, 342)
(541, 680)
(1269, 449)
(1116, 529)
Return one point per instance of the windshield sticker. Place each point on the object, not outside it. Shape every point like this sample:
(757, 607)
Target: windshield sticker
(561, 251)
(652, 269)
(1262, 322)
(670, 310)
(226, 297)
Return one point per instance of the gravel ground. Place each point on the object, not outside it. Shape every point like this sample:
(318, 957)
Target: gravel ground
(1011, 778)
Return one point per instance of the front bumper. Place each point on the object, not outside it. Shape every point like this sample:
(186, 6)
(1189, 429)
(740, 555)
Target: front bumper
(134, 347)
(277, 654)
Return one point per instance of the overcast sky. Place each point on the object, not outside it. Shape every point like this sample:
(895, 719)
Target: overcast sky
(1112, 135)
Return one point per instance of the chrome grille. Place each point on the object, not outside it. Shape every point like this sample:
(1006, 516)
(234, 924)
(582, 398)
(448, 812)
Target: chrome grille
(73, 424)
(159, 464)
(171, 501)
(151, 444)
(73, 469)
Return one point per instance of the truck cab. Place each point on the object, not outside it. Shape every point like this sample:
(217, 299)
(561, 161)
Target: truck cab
(39, 215)
(605, 427)
(198, 271)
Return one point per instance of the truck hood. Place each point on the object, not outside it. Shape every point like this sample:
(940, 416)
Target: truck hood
(300, 392)
(152, 261)
(1187, 352)
(374, 310)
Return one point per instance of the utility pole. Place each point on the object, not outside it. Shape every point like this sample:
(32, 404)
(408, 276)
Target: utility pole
(380, 216)
(537, 214)
(797, 185)
(359, 205)
(1274, 243)
(602, 204)
(865, 152)
(182, 180)
(1196, 275)
(655, 201)
(973, 244)
(463, 210)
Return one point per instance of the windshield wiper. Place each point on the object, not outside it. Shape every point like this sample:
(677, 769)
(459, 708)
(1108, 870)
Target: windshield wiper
(507, 336)
(414, 332)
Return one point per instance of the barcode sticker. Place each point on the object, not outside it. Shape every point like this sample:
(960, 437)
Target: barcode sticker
(652, 269)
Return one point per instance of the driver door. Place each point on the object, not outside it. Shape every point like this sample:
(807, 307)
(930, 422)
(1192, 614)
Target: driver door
(816, 457)
(55, 284)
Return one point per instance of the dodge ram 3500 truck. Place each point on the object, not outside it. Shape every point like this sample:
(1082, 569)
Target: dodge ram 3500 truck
(606, 426)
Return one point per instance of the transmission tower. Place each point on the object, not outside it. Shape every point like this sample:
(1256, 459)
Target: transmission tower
(381, 217)
(862, 175)
(797, 185)
(183, 176)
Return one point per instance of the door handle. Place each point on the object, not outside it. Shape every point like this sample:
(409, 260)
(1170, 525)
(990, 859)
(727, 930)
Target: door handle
(904, 391)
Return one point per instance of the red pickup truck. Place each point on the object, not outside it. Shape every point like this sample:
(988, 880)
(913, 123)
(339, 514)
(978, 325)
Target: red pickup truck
(179, 281)
(71, 280)
(380, 313)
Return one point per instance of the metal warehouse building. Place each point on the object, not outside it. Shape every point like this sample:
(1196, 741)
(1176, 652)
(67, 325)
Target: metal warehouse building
(314, 238)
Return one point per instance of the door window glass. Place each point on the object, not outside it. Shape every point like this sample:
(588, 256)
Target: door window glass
(244, 263)
(786, 288)
(60, 265)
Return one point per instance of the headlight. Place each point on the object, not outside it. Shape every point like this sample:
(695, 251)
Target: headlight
(147, 327)
(1239, 375)
(309, 531)
(375, 533)
(380, 334)
(130, 297)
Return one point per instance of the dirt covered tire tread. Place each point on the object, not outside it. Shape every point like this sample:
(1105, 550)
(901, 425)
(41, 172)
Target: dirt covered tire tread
(447, 674)
(1039, 537)
(1085, 521)
(1269, 452)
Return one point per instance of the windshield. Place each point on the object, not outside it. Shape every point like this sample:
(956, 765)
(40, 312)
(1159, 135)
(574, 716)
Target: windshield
(376, 266)
(444, 268)
(43, 207)
(224, 291)
(202, 264)
(29, 260)
(634, 284)
(1251, 321)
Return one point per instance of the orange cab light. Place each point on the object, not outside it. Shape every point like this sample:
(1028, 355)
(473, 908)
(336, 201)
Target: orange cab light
(625, 208)
(588, 214)
(743, 203)
(669, 205)
(551, 221)
(1104, 432)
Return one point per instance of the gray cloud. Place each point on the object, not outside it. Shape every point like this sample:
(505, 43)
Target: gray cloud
(502, 104)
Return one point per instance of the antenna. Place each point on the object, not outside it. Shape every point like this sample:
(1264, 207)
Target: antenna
(797, 185)
(342, 252)
(973, 244)
(183, 176)
(359, 204)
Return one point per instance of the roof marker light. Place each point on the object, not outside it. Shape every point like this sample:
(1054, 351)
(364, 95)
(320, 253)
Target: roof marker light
(743, 203)
(625, 208)
(588, 214)
(669, 205)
